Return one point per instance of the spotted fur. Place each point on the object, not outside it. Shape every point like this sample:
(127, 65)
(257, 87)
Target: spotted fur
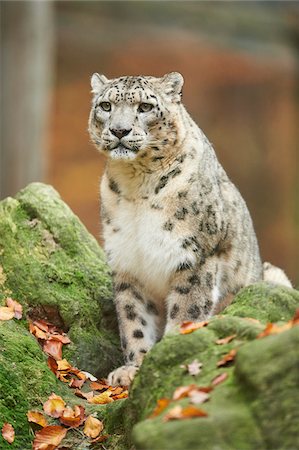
(178, 235)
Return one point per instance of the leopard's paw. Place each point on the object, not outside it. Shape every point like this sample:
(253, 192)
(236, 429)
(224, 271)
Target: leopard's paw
(122, 376)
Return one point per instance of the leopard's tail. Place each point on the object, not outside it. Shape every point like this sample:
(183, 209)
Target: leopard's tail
(275, 275)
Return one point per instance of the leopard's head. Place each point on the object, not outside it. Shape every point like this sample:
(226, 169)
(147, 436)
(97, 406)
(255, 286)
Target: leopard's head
(131, 115)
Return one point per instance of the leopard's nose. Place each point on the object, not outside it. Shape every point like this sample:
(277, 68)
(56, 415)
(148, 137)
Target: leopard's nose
(120, 133)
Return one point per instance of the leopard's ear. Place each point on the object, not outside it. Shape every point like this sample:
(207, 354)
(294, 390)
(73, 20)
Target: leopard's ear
(173, 84)
(97, 82)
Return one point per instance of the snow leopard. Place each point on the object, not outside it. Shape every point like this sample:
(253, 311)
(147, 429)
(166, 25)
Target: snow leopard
(177, 233)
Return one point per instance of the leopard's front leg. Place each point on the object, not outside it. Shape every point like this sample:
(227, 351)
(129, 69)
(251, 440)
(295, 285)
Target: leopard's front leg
(192, 294)
(137, 319)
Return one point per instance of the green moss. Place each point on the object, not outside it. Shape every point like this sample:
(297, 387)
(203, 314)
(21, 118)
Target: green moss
(25, 381)
(265, 302)
(56, 269)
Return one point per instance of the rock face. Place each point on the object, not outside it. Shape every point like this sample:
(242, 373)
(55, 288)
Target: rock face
(56, 269)
(50, 264)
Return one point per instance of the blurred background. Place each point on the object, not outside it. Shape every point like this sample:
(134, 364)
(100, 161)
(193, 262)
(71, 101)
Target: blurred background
(240, 64)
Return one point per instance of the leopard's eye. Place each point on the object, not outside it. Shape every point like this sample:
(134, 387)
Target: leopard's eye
(145, 107)
(106, 106)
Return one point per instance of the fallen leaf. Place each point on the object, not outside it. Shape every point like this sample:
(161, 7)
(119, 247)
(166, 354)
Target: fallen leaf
(162, 403)
(272, 328)
(123, 394)
(227, 359)
(101, 399)
(182, 391)
(92, 427)
(64, 365)
(226, 340)
(37, 332)
(63, 338)
(89, 376)
(189, 327)
(180, 413)
(295, 319)
(49, 437)
(52, 364)
(42, 324)
(76, 384)
(8, 432)
(219, 379)
(194, 368)
(197, 397)
(53, 348)
(73, 417)
(96, 386)
(37, 417)
(6, 313)
(16, 306)
(101, 438)
(54, 406)
(81, 394)
(195, 393)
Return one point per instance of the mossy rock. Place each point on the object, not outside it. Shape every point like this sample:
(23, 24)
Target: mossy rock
(56, 269)
(256, 407)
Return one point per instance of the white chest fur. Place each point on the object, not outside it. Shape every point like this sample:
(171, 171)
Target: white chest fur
(140, 246)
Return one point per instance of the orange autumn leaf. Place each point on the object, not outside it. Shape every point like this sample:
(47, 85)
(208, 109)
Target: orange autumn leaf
(101, 399)
(272, 328)
(42, 325)
(295, 319)
(76, 384)
(100, 438)
(226, 340)
(49, 437)
(189, 327)
(37, 332)
(54, 406)
(16, 306)
(92, 427)
(73, 417)
(64, 365)
(6, 313)
(53, 348)
(37, 417)
(123, 394)
(162, 403)
(219, 379)
(8, 432)
(96, 386)
(227, 359)
(63, 338)
(52, 364)
(196, 394)
(182, 391)
(180, 413)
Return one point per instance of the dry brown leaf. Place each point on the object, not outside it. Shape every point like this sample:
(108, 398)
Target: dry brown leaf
(64, 365)
(96, 386)
(180, 413)
(86, 395)
(89, 376)
(8, 432)
(189, 327)
(295, 319)
(194, 368)
(93, 427)
(182, 391)
(162, 403)
(37, 417)
(63, 338)
(226, 340)
(227, 359)
(123, 394)
(100, 438)
(49, 437)
(53, 348)
(37, 332)
(6, 313)
(76, 384)
(16, 306)
(54, 406)
(219, 379)
(101, 399)
(73, 417)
